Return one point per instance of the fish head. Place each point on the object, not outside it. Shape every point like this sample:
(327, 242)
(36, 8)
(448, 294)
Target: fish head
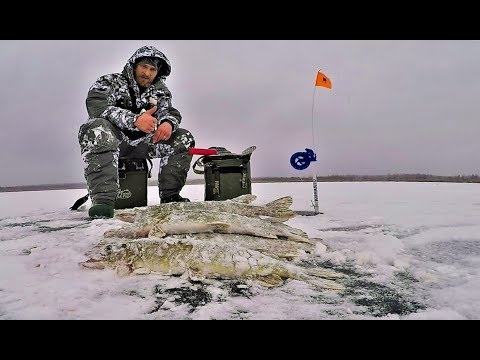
(143, 216)
(134, 256)
(105, 256)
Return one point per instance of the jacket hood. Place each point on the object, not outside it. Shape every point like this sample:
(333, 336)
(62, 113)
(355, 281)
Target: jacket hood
(149, 51)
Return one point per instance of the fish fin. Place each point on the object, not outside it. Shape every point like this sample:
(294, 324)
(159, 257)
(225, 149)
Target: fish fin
(245, 199)
(325, 284)
(300, 239)
(296, 234)
(157, 231)
(219, 227)
(324, 274)
(277, 219)
(270, 280)
(280, 208)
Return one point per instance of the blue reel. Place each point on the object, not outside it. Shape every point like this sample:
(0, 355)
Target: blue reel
(302, 159)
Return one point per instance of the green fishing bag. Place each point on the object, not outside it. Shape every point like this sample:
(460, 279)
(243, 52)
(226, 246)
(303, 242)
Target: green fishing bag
(133, 177)
(226, 175)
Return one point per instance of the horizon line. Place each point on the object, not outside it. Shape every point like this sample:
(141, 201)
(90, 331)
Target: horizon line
(413, 177)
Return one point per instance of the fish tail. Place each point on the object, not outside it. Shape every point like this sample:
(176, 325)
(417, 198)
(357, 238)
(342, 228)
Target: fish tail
(324, 274)
(298, 232)
(300, 239)
(324, 279)
(280, 208)
(325, 284)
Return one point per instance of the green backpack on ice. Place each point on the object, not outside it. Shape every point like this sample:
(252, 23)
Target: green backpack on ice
(227, 175)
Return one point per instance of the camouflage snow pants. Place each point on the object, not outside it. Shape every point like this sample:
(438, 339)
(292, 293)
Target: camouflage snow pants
(102, 144)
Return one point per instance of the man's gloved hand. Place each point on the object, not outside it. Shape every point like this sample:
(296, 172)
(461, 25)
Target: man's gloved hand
(146, 122)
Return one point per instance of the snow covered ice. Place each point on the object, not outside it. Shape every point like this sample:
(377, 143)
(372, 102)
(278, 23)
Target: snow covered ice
(409, 250)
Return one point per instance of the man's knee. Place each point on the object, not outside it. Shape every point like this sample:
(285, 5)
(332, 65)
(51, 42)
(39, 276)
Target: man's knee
(185, 138)
(98, 135)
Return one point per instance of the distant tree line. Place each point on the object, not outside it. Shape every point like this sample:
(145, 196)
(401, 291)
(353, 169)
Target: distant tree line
(329, 178)
(389, 177)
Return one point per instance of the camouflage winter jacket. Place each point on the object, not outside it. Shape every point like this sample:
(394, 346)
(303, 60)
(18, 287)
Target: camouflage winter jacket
(116, 97)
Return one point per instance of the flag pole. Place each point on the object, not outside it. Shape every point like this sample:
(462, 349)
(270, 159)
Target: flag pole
(314, 177)
(324, 81)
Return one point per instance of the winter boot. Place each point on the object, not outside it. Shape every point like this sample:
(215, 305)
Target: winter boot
(173, 198)
(102, 210)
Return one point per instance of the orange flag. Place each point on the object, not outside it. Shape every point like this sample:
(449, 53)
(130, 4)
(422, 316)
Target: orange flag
(323, 80)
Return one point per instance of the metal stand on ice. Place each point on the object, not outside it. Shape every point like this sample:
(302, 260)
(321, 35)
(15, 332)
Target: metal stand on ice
(302, 160)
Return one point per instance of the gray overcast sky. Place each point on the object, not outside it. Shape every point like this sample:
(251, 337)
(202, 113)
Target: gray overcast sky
(395, 107)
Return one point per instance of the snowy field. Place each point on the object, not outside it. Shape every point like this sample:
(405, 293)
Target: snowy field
(408, 250)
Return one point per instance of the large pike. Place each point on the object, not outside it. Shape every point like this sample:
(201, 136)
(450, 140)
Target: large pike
(276, 210)
(161, 222)
(220, 239)
(201, 259)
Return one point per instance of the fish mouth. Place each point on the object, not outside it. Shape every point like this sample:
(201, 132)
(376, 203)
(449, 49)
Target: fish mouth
(94, 264)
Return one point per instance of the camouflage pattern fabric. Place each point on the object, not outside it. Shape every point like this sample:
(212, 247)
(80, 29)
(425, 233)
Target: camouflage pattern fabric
(113, 103)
